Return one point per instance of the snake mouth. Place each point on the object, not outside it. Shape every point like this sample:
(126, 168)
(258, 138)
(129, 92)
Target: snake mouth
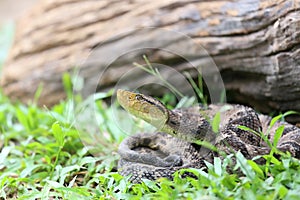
(125, 98)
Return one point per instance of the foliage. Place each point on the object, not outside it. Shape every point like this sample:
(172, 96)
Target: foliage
(42, 156)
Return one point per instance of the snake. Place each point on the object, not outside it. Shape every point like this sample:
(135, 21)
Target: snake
(179, 142)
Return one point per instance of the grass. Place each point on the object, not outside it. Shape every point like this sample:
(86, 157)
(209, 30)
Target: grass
(44, 156)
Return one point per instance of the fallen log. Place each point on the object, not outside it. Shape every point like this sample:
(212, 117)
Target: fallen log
(254, 43)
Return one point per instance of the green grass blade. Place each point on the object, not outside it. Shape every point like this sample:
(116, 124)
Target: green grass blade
(58, 134)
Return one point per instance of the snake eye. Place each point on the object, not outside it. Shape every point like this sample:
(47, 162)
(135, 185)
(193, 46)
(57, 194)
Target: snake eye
(138, 97)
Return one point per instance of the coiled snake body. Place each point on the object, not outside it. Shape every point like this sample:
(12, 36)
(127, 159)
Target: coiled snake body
(160, 154)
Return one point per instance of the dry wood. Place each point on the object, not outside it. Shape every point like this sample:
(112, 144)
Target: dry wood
(254, 43)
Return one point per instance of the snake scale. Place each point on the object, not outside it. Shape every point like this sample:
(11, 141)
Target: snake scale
(160, 154)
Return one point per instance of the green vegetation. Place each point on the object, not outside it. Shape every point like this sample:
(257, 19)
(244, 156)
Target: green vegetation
(43, 156)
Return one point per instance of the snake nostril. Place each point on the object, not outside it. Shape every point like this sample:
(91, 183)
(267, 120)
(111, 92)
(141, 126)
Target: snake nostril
(131, 97)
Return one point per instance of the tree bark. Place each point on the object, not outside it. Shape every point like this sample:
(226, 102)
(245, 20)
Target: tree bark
(254, 43)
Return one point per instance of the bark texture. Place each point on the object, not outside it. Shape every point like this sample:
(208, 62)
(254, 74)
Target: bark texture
(254, 43)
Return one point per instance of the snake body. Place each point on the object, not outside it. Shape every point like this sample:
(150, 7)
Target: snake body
(176, 145)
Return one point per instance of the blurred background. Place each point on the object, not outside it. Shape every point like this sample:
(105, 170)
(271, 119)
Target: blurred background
(9, 13)
(253, 43)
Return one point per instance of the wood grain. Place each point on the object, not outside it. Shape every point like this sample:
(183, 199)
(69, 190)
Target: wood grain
(254, 43)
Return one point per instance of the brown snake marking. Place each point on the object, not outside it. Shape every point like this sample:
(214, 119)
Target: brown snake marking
(160, 154)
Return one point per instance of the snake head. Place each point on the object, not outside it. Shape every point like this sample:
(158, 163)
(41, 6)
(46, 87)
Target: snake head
(144, 107)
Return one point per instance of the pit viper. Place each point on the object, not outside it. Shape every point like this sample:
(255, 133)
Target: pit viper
(176, 143)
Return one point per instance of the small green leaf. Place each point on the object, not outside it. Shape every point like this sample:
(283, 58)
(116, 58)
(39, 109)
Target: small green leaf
(290, 113)
(28, 170)
(245, 128)
(198, 88)
(54, 184)
(282, 191)
(272, 159)
(67, 83)
(79, 193)
(218, 166)
(207, 145)
(278, 134)
(22, 117)
(229, 181)
(86, 160)
(102, 95)
(256, 168)
(4, 153)
(216, 122)
(58, 134)
(275, 119)
(242, 163)
(31, 117)
(150, 184)
(67, 170)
